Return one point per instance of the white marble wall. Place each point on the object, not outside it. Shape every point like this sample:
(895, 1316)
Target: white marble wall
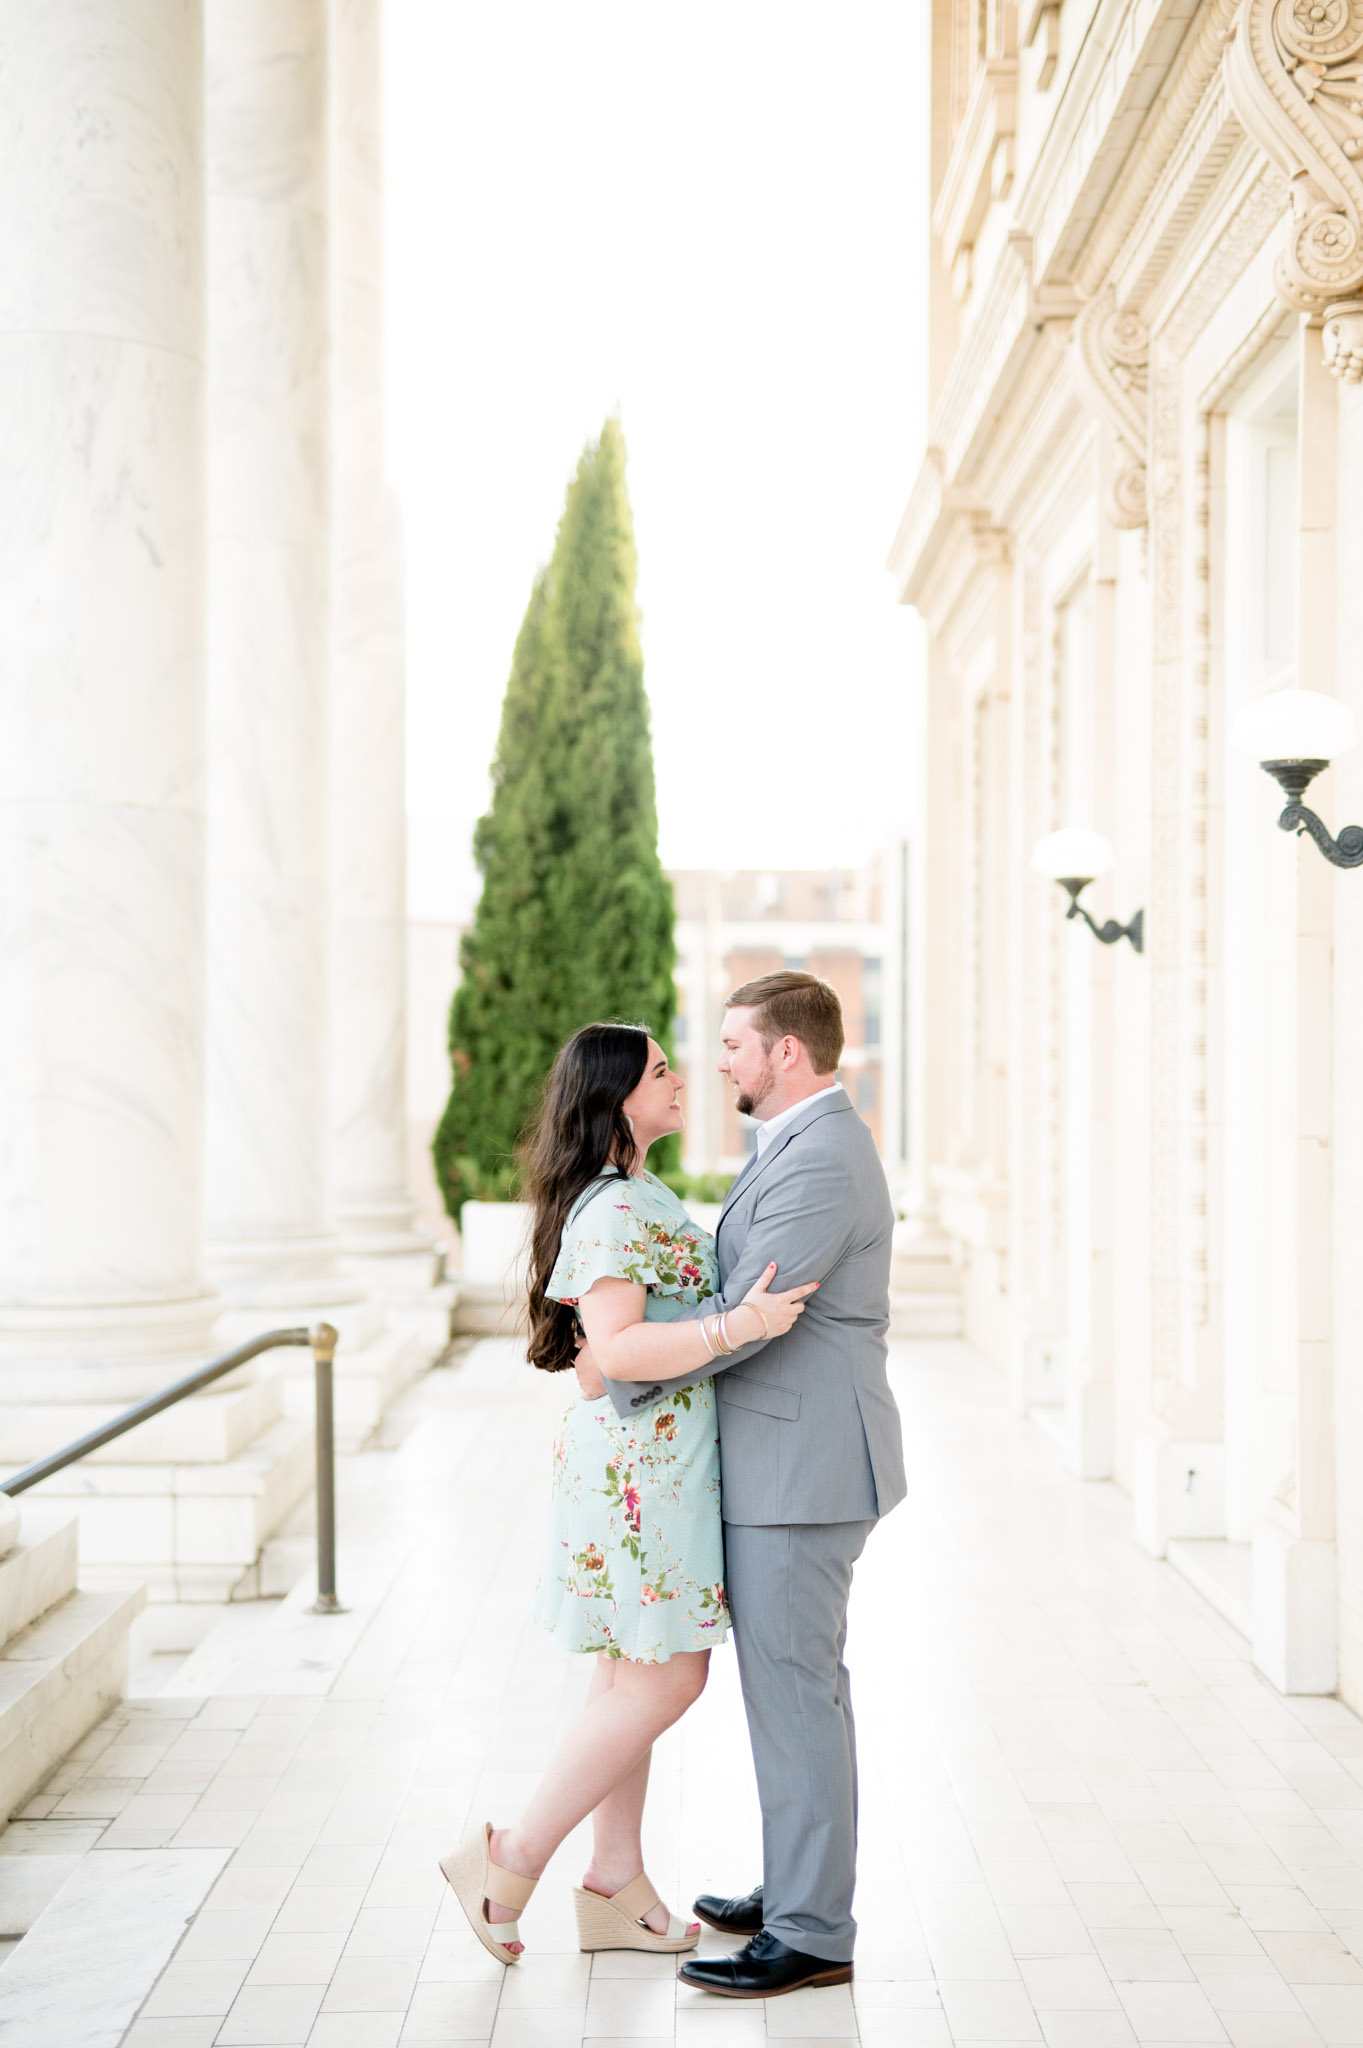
(101, 649)
(269, 499)
(369, 969)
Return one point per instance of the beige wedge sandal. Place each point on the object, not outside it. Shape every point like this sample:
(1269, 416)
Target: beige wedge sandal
(474, 1879)
(618, 1922)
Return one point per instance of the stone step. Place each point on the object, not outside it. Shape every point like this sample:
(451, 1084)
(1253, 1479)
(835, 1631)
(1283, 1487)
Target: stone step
(394, 1276)
(928, 1269)
(427, 1317)
(40, 1570)
(355, 1322)
(79, 1975)
(191, 1531)
(279, 1648)
(120, 1382)
(1223, 1574)
(926, 1314)
(384, 1344)
(208, 1428)
(486, 1309)
(284, 1562)
(366, 1378)
(58, 1677)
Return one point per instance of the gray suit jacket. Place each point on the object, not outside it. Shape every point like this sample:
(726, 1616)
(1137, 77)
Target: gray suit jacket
(809, 1430)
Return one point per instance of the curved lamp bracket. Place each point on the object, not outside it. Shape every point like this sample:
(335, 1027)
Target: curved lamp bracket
(1106, 934)
(1294, 778)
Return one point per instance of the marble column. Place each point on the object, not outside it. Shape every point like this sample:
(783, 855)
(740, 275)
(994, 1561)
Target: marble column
(101, 702)
(369, 970)
(271, 1237)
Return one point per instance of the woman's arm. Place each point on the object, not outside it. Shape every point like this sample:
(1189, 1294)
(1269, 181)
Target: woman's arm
(809, 1218)
(625, 1347)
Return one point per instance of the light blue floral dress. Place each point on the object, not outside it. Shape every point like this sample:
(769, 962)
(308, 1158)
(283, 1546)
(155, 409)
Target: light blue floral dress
(636, 1549)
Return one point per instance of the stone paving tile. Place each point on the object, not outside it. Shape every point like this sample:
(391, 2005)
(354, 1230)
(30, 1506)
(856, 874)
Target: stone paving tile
(372, 1984)
(271, 2016)
(357, 2030)
(1171, 2012)
(1336, 2010)
(183, 2033)
(1270, 2030)
(1087, 2030)
(296, 1959)
(530, 2028)
(910, 2030)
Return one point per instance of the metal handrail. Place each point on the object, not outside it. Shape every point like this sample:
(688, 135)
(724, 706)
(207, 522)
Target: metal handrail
(323, 1341)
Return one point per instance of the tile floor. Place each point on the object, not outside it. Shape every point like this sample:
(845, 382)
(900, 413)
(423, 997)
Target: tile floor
(1086, 1822)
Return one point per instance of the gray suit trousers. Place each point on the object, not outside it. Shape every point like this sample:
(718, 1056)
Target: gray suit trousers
(788, 1586)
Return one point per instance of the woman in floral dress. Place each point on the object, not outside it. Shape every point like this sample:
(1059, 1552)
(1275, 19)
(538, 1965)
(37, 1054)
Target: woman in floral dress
(635, 1573)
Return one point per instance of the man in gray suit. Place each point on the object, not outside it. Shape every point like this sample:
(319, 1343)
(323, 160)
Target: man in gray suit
(810, 1459)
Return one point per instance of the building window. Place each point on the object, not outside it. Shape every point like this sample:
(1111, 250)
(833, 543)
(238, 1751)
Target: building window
(1279, 552)
(794, 963)
(867, 1092)
(870, 997)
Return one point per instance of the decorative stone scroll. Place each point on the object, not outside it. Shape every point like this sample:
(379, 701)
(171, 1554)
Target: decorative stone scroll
(1343, 339)
(1111, 370)
(1295, 78)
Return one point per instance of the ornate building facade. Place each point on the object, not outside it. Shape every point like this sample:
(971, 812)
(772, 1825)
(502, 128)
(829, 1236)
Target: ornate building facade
(201, 744)
(1138, 513)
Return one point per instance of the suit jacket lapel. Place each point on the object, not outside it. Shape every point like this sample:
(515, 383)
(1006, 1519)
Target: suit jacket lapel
(741, 1181)
(756, 1166)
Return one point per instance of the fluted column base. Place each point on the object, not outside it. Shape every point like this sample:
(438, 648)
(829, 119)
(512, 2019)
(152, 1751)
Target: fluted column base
(382, 1226)
(122, 1344)
(297, 1271)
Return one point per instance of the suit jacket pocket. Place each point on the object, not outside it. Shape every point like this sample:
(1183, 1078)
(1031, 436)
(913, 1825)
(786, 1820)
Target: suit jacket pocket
(738, 1391)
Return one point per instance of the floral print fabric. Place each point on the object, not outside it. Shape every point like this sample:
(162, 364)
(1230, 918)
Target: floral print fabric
(636, 1548)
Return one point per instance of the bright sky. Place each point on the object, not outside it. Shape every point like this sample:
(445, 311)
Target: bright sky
(710, 218)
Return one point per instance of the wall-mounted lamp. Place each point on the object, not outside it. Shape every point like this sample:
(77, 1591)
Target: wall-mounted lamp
(1074, 859)
(1293, 735)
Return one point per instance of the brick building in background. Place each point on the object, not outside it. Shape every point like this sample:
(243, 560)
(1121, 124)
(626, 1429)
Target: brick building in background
(844, 924)
(847, 924)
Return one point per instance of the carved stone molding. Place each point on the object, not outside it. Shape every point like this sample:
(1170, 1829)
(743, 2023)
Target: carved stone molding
(1295, 80)
(1343, 339)
(1195, 66)
(1111, 359)
(1242, 238)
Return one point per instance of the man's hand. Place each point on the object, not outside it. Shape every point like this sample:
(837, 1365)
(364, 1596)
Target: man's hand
(589, 1380)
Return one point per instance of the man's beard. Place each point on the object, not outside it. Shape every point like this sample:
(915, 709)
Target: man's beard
(748, 1104)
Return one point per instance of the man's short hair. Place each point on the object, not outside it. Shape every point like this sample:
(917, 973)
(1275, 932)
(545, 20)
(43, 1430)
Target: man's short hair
(795, 1005)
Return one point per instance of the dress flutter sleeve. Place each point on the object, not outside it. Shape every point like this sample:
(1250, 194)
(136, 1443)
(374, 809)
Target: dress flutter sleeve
(606, 1239)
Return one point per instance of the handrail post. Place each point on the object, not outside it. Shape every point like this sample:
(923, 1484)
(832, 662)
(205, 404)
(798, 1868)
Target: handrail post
(323, 1341)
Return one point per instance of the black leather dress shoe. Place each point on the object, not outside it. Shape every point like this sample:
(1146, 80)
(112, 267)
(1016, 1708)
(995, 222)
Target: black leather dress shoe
(731, 1916)
(764, 1969)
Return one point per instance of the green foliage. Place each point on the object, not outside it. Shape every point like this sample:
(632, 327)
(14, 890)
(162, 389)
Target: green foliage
(575, 920)
(698, 1187)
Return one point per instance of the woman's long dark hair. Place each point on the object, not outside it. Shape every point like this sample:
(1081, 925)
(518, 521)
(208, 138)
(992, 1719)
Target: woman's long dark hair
(582, 1134)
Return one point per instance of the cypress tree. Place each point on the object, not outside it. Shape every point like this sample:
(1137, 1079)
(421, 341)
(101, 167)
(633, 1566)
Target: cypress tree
(575, 919)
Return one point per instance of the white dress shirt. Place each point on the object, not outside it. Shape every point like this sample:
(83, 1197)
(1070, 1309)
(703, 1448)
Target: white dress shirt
(774, 1124)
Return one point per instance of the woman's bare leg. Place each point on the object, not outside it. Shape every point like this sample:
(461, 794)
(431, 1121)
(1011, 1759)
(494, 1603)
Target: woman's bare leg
(617, 1825)
(606, 1751)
